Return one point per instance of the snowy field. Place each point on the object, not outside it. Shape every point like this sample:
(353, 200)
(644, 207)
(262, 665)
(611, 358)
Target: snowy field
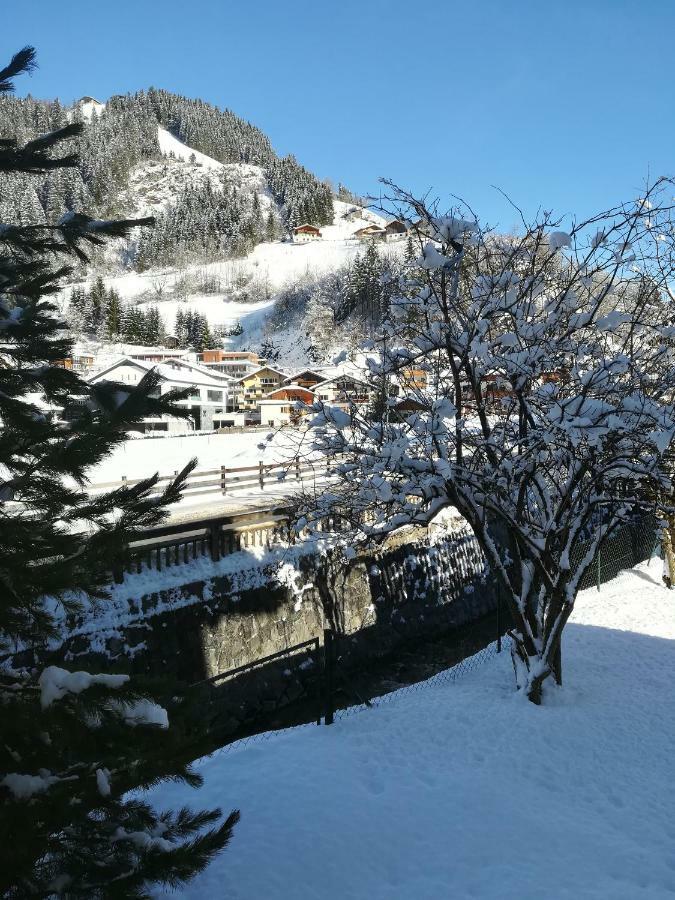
(273, 266)
(166, 455)
(143, 457)
(464, 790)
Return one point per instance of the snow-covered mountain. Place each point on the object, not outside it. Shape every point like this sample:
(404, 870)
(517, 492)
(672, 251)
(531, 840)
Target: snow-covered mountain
(241, 292)
(225, 206)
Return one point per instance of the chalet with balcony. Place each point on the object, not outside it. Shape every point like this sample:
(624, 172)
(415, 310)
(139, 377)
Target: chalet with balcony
(395, 230)
(304, 233)
(235, 363)
(253, 387)
(370, 233)
(307, 378)
(342, 389)
(280, 407)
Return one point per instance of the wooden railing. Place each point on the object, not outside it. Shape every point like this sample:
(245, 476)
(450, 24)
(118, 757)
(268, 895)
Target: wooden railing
(175, 544)
(226, 480)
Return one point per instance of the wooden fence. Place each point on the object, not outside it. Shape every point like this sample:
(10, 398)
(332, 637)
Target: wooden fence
(226, 480)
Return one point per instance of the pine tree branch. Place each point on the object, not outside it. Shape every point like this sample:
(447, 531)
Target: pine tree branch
(21, 63)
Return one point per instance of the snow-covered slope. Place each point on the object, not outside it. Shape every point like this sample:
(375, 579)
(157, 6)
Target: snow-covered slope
(230, 292)
(171, 146)
(154, 185)
(245, 289)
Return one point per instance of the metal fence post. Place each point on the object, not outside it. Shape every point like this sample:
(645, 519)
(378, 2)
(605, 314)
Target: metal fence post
(223, 473)
(328, 663)
(634, 544)
(316, 650)
(261, 475)
(597, 568)
(499, 616)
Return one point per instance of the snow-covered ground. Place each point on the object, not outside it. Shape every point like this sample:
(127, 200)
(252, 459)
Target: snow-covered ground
(171, 146)
(464, 790)
(166, 455)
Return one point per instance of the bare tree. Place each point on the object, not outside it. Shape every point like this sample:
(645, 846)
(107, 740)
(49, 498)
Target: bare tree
(548, 403)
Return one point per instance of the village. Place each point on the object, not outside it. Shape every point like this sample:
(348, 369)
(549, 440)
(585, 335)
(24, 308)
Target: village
(240, 389)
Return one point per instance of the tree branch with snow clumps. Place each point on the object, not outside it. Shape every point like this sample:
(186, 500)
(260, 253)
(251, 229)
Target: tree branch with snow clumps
(547, 409)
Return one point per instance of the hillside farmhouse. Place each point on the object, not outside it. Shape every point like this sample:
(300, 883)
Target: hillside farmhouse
(304, 233)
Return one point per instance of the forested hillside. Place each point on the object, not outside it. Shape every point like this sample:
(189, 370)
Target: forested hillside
(204, 217)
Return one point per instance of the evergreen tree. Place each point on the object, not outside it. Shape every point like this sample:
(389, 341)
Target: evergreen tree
(133, 325)
(112, 315)
(181, 330)
(97, 301)
(410, 255)
(67, 753)
(154, 328)
(271, 227)
(365, 293)
(78, 310)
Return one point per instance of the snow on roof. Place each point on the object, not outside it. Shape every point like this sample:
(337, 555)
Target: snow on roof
(300, 372)
(123, 360)
(370, 229)
(298, 388)
(261, 369)
(171, 367)
(307, 227)
(338, 376)
(173, 370)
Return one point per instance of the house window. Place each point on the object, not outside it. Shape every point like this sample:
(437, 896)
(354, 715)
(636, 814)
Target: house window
(215, 396)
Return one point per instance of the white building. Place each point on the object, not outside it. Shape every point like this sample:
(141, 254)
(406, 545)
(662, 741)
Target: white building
(342, 388)
(208, 399)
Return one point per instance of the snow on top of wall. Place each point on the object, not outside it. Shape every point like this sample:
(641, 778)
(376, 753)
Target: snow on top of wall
(253, 568)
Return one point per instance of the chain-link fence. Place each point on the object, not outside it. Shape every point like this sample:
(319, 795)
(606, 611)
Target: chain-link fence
(630, 544)
(416, 664)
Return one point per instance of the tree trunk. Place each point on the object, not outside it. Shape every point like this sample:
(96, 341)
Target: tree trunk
(556, 665)
(531, 669)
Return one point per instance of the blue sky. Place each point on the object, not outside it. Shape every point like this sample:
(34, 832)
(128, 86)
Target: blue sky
(567, 106)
